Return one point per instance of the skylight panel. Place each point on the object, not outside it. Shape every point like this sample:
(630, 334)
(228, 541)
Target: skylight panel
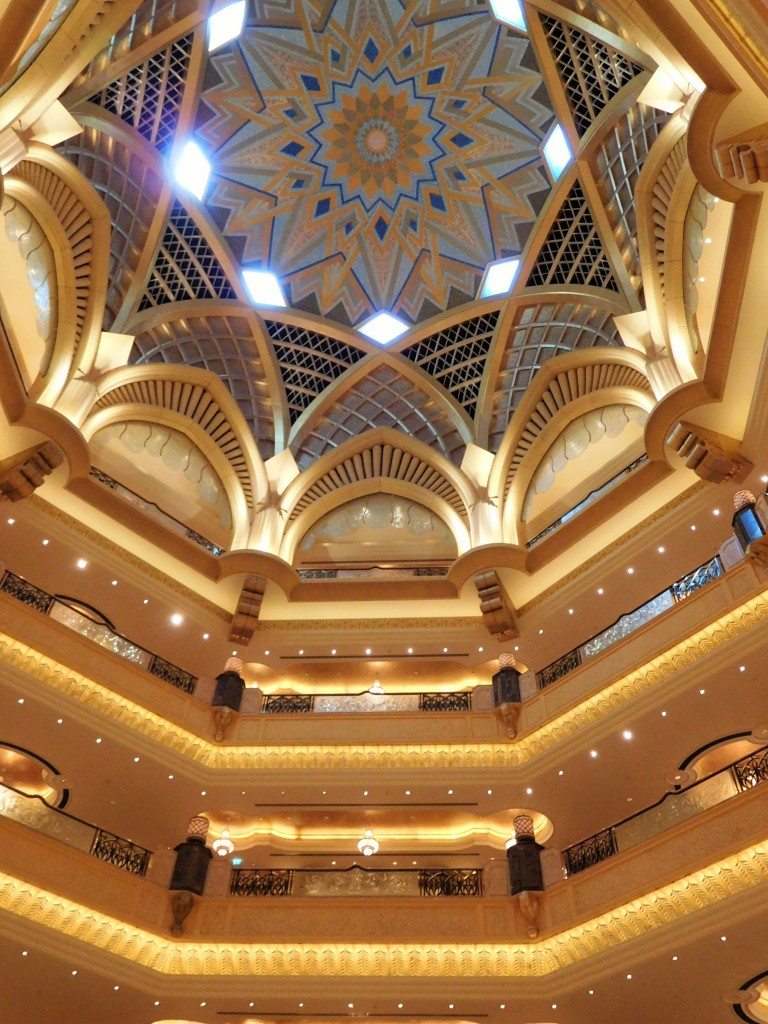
(498, 278)
(192, 169)
(263, 288)
(383, 328)
(510, 12)
(226, 24)
(557, 151)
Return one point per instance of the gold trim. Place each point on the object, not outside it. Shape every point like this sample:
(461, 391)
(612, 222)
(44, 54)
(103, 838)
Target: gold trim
(570, 724)
(708, 887)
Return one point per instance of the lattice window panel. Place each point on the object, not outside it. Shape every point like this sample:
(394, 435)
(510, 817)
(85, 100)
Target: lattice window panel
(185, 266)
(619, 161)
(573, 252)
(130, 191)
(592, 72)
(382, 460)
(224, 346)
(308, 362)
(384, 398)
(456, 357)
(196, 403)
(540, 333)
(148, 97)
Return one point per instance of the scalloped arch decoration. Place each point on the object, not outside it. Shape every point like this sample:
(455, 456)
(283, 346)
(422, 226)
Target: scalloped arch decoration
(195, 402)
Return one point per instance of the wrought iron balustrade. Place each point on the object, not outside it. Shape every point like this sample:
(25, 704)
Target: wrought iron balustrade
(154, 510)
(445, 702)
(81, 619)
(260, 882)
(672, 809)
(288, 704)
(342, 572)
(120, 852)
(451, 882)
(631, 621)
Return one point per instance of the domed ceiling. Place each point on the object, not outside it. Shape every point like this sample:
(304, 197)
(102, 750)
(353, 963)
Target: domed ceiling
(374, 156)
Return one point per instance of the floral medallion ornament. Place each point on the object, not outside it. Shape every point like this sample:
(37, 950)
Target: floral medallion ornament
(375, 155)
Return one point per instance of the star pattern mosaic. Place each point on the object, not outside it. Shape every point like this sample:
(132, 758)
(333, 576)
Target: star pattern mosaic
(375, 154)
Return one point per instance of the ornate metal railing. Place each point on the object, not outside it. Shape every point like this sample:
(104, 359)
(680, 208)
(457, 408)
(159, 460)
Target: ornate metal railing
(671, 809)
(83, 620)
(451, 882)
(35, 813)
(120, 852)
(590, 499)
(154, 511)
(631, 621)
(445, 702)
(350, 572)
(260, 882)
(365, 702)
(288, 704)
(356, 881)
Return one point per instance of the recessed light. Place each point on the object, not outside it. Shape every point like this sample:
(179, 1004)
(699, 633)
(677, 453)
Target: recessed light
(663, 714)
(46, 542)
(554, 1006)
(502, 1006)
(157, 1002)
(600, 591)
(764, 478)
(480, 650)
(301, 651)
(702, 280)
(59, 721)
(333, 863)
(225, 25)
(82, 563)
(117, 988)
(206, 636)
(98, 739)
(490, 792)
(333, 650)
(629, 977)
(203, 792)
(661, 549)
(708, 241)
(570, 611)
(203, 1003)
(630, 571)
(11, 521)
(451, 1006)
(264, 288)
(176, 619)
(407, 792)
(450, 792)
(20, 700)
(301, 1005)
(170, 776)
(114, 583)
(365, 792)
(266, 654)
(561, 772)
(591, 992)
(383, 328)
(557, 151)
(674, 957)
(350, 1006)
(742, 668)
(593, 753)
(192, 169)
(702, 692)
(723, 938)
(410, 650)
(399, 1006)
(445, 650)
(74, 973)
(541, 632)
(715, 511)
(146, 600)
(25, 952)
(529, 791)
(367, 650)
(627, 734)
(136, 760)
(693, 527)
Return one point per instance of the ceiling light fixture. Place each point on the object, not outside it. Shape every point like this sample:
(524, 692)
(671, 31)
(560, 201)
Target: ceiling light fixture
(498, 278)
(369, 844)
(557, 151)
(176, 619)
(264, 288)
(81, 563)
(510, 12)
(225, 25)
(192, 169)
(383, 328)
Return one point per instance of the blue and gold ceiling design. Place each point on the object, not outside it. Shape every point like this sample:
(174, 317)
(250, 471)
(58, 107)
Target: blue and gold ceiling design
(379, 157)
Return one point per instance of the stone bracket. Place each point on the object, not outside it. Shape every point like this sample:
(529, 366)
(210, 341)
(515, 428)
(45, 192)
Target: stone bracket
(744, 158)
(713, 457)
(248, 607)
(495, 606)
(23, 473)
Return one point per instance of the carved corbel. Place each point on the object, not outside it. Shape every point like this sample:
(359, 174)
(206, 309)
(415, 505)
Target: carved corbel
(744, 158)
(181, 907)
(529, 908)
(712, 456)
(248, 608)
(496, 608)
(22, 474)
(222, 717)
(509, 713)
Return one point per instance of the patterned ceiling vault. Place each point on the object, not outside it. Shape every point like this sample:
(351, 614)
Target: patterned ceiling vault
(380, 159)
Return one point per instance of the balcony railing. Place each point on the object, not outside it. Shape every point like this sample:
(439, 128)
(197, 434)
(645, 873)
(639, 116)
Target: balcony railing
(154, 511)
(36, 814)
(83, 620)
(356, 881)
(365, 702)
(383, 572)
(672, 809)
(628, 623)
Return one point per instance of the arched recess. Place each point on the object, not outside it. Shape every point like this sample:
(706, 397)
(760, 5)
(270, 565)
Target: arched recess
(578, 381)
(376, 458)
(384, 392)
(200, 398)
(306, 519)
(77, 224)
(582, 417)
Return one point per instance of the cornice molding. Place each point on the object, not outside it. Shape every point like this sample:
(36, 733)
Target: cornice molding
(702, 889)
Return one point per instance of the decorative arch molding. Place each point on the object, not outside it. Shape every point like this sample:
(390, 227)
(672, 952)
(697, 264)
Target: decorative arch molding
(67, 205)
(311, 514)
(515, 500)
(195, 396)
(561, 381)
(447, 427)
(383, 455)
